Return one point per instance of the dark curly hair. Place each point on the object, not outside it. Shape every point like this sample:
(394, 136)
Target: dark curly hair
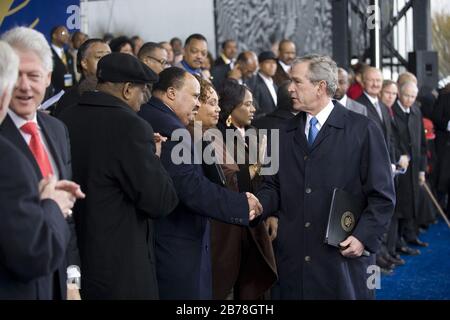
(231, 95)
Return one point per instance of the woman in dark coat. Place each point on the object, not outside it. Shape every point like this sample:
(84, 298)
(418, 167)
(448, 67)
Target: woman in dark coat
(243, 263)
(243, 259)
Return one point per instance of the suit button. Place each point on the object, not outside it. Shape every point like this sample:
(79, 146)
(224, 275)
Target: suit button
(305, 158)
(308, 190)
(307, 224)
(307, 258)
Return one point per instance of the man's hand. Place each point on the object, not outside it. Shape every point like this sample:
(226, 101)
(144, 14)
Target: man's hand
(235, 73)
(71, 187)
(254, 206)
(159, 139)
(72, 292)
(422, 178)
(65, 200)
(351, 247)
(393, 168)
(272, 227)
(404, 161)
(43, 183)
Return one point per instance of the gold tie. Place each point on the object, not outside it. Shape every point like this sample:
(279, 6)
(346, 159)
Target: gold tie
(63, 58)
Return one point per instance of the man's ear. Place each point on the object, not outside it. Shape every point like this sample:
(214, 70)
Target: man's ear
(83, 64)
(48, 79)
(146, 61)
(126, 91)
(322, 87)
(171, 93)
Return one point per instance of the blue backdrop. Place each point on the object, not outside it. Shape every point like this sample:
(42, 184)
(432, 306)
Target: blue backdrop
(41, 15)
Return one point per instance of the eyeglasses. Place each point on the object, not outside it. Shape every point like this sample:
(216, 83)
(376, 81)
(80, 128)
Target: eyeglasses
(163, 62)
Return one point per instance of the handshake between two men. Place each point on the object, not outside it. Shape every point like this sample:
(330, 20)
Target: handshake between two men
(255, 207)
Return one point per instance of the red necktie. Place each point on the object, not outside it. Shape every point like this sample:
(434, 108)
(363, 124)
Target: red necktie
(37, 148)
(391, 112)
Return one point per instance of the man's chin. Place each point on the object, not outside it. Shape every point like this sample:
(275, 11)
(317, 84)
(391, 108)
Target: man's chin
(298, 107)
(24, 110)
(296, 104)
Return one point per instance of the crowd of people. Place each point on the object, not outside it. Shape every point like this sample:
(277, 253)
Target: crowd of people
(101, 198)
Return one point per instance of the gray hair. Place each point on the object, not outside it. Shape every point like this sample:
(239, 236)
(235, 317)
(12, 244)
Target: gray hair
(27, 39)
(9, 67)
(321, 68)
(408, 84)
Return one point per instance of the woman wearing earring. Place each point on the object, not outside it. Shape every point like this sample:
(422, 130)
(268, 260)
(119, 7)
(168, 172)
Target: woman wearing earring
(243, 262)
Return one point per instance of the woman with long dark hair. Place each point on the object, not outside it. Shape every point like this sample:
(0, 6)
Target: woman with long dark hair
(243, 261)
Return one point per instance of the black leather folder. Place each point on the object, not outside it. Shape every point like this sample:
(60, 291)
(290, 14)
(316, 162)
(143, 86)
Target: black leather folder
(345, 210)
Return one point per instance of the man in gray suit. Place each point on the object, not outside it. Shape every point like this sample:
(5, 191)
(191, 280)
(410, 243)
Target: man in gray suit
(341, 94)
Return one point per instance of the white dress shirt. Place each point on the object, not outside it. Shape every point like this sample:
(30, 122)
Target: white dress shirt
(269, 84)
(59, 51)
(376, 104)
(321, 117)
(405, 110)
(19, 122)
(343, 100)
(285, 66)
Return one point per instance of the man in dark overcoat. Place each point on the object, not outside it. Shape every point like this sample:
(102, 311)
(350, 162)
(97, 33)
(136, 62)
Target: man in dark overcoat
(114, 160)
(324, 147)
(411, 140)
(183, 254)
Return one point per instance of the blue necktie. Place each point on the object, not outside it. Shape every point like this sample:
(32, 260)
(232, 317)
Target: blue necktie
(313, 131)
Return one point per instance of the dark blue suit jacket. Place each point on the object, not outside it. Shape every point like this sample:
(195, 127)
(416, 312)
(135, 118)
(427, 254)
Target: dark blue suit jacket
(263, 99)
(57, 137)
(33, 233)
(349, 153)
(182, 239)
(385, 125)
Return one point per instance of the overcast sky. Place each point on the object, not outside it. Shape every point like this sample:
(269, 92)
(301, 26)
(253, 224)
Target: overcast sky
(440, 6)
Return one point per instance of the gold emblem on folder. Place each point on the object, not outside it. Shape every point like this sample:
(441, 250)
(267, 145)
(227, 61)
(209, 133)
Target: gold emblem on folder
(348, 221)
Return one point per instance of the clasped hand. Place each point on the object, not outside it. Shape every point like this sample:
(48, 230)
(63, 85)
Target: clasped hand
(254, 206)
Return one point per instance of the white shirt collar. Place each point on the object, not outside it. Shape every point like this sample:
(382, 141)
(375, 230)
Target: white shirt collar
(269, 84)
(19, 121)
(266, 78)
(59, 51)
(321, 117)
(285, 66)
(343, 100)
(372, 100)
(405, 110)
(225, 59)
